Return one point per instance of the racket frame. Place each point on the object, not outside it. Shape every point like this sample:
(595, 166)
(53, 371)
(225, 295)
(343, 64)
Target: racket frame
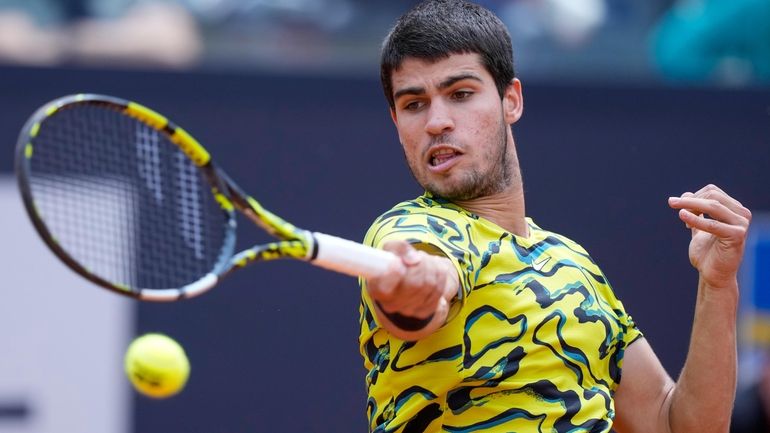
(326, 251)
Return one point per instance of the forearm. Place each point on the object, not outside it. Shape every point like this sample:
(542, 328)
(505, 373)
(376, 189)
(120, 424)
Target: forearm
(701, 401)
(703, 397)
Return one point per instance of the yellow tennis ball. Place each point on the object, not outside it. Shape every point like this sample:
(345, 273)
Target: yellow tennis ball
(157, 365)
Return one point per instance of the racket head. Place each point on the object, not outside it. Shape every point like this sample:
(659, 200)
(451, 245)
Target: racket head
(124, 197)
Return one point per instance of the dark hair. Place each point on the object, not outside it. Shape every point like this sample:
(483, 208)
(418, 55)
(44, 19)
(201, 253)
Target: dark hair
(435, 29)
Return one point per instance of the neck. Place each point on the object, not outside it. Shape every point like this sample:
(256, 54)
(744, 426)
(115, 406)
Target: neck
(506, 208)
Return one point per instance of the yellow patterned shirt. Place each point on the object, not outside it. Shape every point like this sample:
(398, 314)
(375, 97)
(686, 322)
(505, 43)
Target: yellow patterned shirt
(534, 343)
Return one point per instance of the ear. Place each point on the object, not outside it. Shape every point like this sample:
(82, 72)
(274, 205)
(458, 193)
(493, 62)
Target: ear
(513, 102)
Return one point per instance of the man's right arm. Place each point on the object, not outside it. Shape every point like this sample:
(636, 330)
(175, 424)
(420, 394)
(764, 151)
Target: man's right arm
(412, 301)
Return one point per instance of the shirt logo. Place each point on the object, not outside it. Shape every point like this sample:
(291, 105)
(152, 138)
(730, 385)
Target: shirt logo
(538, 266)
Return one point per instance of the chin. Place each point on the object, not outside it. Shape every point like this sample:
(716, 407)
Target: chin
(449, 193)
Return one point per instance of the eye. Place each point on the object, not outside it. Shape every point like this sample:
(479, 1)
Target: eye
(461, 94)
(413, 105)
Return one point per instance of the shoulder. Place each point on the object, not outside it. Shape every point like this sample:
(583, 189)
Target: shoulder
(557, 240)
(417, 218)
(567, 252)
(425, 205)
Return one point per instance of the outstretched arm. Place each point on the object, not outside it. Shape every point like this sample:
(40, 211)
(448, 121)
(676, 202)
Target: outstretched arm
(701, 400)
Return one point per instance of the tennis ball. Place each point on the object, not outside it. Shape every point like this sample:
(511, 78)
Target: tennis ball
(156, 365)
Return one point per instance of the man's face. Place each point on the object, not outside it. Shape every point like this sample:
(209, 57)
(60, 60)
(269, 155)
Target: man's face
(452, 127)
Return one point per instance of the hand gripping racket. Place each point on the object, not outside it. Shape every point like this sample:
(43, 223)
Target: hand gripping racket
(135, 204)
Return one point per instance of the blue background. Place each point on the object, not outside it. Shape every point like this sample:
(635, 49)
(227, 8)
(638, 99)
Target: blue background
(762, 274)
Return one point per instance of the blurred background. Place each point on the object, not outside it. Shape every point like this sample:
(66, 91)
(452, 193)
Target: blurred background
(628, 103)
(717, 42)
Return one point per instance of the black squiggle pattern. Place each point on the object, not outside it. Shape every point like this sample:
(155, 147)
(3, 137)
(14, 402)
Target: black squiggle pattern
(530, 348)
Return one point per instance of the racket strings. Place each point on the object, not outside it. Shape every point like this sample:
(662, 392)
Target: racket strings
(123, 202)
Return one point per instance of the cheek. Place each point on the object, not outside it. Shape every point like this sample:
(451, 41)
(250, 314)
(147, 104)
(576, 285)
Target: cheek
(492, 118)
(409, 147)
(484, 117)
(484, 127)
(404, 128)
(409, 140)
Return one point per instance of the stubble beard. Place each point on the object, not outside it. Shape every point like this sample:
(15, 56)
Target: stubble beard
(476, 183)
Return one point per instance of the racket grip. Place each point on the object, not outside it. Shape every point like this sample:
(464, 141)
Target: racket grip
(352, 258)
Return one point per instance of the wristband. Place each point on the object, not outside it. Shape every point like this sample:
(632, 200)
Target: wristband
(407, 323)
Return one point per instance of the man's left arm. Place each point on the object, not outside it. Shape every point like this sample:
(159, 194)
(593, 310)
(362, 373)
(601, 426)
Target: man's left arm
(701, 400)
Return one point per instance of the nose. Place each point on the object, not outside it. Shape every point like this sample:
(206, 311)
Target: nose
(439, 119)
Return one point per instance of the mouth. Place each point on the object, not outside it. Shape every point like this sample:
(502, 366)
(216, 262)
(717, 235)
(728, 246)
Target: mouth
(442, 158)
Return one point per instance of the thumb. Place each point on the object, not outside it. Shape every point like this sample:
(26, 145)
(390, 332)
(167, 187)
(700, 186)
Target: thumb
(403, 249)
(382, 287)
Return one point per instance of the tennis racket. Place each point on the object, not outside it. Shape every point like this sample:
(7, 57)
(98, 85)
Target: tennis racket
(133, 203)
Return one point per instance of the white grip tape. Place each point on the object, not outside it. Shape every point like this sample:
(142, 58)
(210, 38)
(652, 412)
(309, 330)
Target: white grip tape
(351, 258)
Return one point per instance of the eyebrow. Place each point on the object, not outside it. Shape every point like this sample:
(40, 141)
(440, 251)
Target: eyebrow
(417, 90)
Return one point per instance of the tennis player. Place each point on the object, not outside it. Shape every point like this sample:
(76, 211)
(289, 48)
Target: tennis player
(492, 323)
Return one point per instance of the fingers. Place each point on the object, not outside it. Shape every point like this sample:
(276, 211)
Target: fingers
(403, 249)
(383, 287)
(418, 288)
(711, 207)
(728, 217)
(713, 192)
(717, 228)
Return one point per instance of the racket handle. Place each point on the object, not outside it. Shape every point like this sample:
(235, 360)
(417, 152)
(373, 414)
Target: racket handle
(351, 258)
